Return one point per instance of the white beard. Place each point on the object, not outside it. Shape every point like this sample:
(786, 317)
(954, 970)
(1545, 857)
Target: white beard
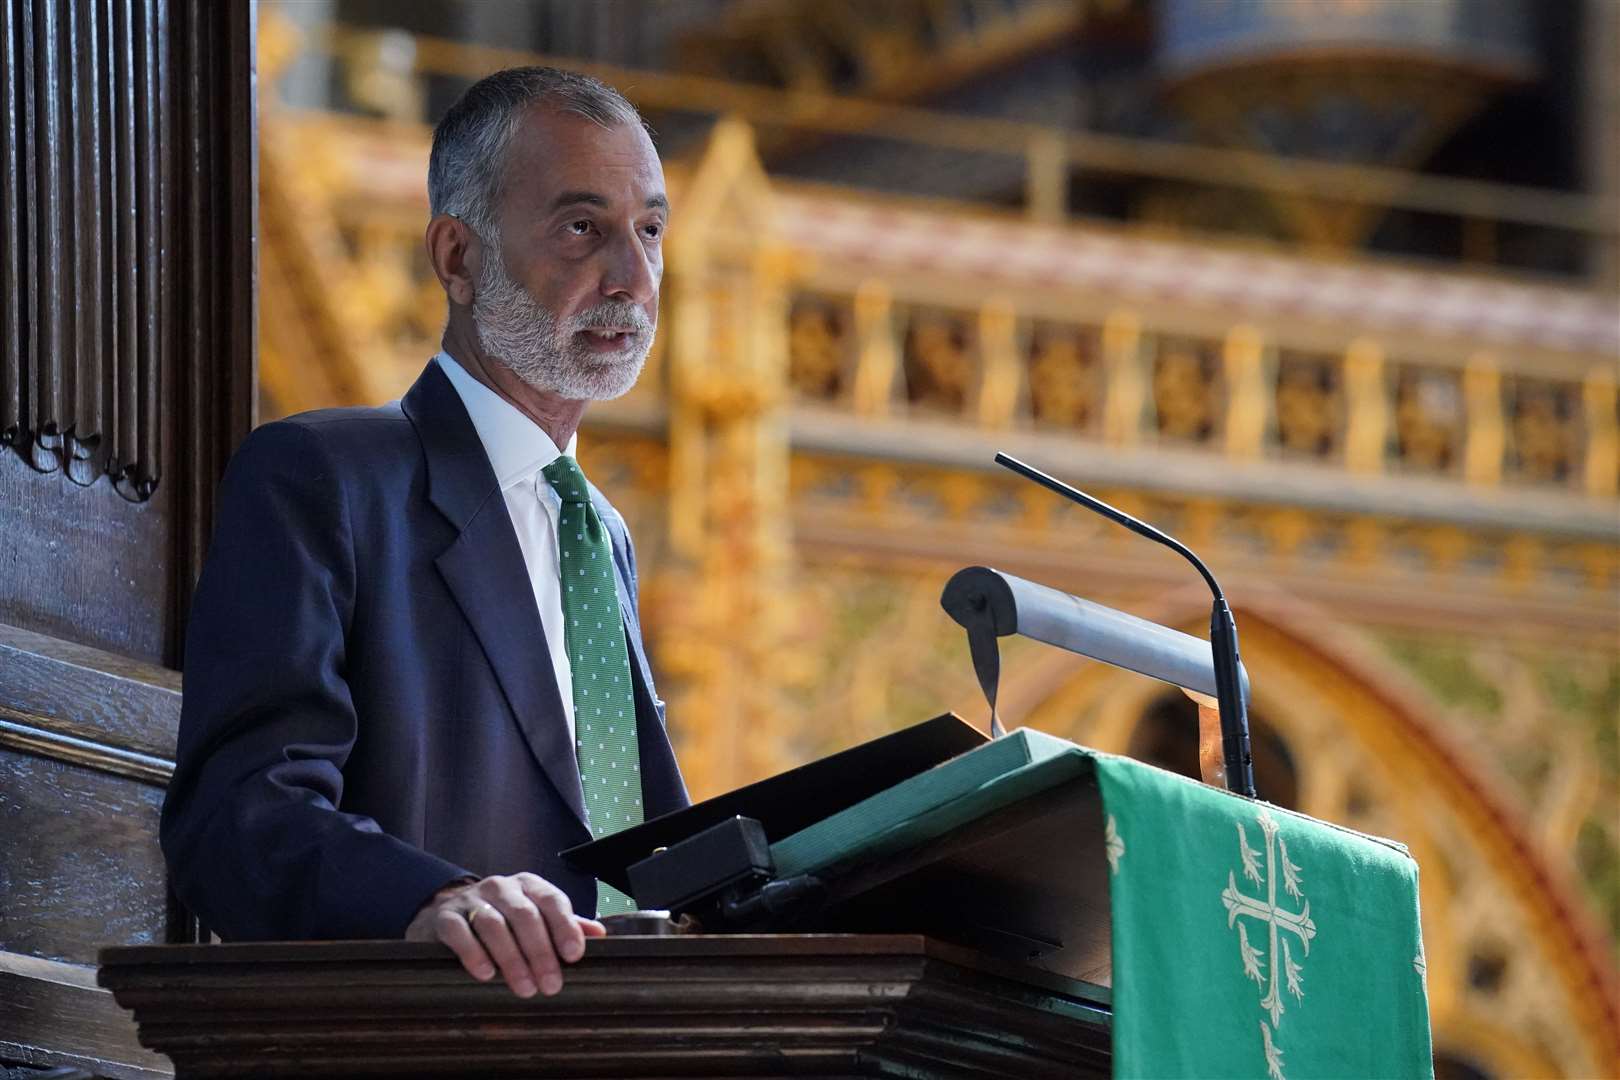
(547, 354)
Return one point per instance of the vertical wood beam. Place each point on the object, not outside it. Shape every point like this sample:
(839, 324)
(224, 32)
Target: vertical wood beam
(1046, 178)
(688, 465)
(1485, 438)
(877, 348)
(1250, 401)
(1601, 468)
(1125, 361)
(1000, 370)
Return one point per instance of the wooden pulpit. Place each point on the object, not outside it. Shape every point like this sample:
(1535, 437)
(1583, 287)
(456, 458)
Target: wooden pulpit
(826, 1005)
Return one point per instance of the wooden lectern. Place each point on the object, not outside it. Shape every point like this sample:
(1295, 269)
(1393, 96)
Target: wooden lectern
(700, 1005)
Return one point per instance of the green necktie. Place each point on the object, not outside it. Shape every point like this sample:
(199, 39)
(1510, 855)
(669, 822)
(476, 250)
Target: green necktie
(604, 708)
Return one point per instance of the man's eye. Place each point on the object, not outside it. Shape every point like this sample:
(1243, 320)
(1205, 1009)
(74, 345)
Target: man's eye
(580, 228)
(655, 230)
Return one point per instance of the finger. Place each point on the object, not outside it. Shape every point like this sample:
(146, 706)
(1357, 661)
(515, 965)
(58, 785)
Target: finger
(451, 928)
(533, 936)
(558, 913)
(567, 933)
(492, 930)
(590, 927)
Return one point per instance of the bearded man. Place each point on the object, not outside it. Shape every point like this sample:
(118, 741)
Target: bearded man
(414, 667)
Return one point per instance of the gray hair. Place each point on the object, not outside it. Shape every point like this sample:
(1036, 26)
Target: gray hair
(470, 144)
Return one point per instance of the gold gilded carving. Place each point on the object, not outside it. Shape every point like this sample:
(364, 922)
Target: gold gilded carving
(1446, 546)
(1286, 531)
(1184, 389)
(1063, 378)
(1542, 437)
(692, 313)
(1308, 407)
(729, 363)
(938, 363)
(1201, 523)
(818, 340)
(1428, 419)
(1522, 560)
(1363, 542)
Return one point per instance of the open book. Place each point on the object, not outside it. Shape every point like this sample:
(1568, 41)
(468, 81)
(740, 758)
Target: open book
(934, 829)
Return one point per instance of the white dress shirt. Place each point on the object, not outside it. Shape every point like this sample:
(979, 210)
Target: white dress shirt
(518, 449)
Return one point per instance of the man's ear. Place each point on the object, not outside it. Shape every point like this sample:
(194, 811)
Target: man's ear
(455, 252)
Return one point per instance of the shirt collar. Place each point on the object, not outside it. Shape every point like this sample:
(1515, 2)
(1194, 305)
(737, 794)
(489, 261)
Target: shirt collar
(517, 447)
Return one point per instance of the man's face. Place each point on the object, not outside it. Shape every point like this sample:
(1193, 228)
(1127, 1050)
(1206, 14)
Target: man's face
(567, 293)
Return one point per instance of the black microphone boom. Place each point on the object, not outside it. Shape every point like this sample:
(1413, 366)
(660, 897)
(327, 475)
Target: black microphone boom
(1222, 629)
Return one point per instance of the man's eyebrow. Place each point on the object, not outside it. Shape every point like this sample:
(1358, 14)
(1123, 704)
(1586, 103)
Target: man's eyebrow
(590, 198)
(574, 198)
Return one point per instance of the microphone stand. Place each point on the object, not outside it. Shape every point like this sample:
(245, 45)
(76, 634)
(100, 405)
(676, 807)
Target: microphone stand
(1222, 628)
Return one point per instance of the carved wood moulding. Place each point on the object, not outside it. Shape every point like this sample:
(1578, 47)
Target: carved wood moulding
(84, 190)
(821, 1005)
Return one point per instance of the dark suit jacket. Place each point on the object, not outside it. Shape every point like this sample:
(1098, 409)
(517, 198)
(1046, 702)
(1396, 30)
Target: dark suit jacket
(369, 708)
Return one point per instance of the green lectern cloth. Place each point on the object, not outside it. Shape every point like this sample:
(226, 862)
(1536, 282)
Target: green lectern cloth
(1249, 941)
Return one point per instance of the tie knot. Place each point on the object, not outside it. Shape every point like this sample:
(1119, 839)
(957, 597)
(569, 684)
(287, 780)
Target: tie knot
(566, 478)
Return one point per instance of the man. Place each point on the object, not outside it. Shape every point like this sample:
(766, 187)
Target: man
(414, 668)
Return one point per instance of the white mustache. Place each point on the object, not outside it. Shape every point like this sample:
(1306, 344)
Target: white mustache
(614, 316)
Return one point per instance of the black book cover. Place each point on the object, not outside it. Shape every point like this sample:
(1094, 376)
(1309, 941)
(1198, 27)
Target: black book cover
(789, 801)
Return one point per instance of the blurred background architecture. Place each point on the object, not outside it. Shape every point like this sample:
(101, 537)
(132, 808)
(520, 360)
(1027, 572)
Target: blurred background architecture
(1328, 288)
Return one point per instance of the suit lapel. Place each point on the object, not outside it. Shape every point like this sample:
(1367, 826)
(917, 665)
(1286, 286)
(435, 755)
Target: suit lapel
(484, 571)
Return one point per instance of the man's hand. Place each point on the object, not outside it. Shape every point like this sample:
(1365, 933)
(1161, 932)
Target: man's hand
(522, 924)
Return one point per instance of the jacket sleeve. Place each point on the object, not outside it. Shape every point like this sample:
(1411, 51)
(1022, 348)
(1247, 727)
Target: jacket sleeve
(253, 832)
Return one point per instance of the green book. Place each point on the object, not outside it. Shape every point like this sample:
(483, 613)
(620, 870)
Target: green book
(932, 804)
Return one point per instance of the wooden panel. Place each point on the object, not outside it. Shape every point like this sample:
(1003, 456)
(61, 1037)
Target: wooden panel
(54, 1014)
(88, 694)
(86, 742)
(127, 311)
(717, 1005)
(79, 861)
(85, 565)
(86, 746)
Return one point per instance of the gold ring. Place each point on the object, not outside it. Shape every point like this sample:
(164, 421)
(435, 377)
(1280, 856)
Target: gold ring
(472, 916)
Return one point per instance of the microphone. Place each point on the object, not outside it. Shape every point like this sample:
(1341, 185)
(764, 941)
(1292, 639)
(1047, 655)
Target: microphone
(1222, 628)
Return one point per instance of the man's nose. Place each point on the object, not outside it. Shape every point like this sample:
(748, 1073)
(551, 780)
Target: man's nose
(630, 272)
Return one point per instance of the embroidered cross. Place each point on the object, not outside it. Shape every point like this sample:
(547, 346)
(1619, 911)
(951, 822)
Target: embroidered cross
(1268, 911)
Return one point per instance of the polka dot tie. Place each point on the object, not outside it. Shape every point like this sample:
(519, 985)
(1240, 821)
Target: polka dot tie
(604, 708)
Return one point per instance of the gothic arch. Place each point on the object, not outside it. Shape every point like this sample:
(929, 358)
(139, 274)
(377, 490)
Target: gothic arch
(1370, 754)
